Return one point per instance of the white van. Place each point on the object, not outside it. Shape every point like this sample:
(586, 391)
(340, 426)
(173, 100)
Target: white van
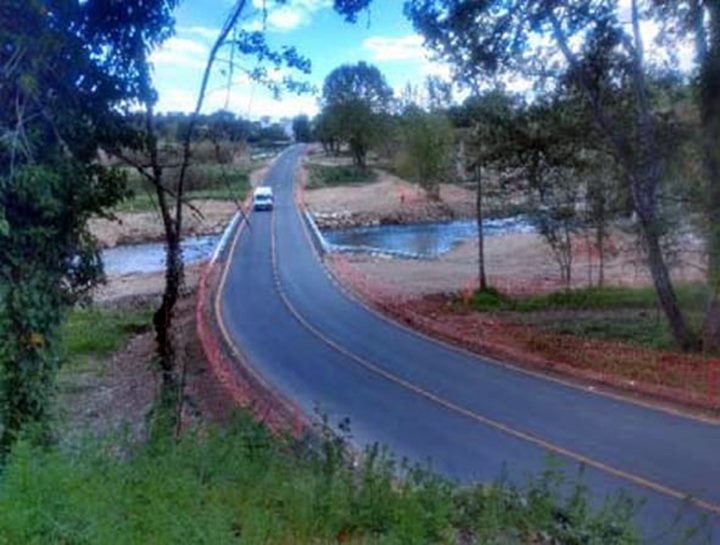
(263, 198)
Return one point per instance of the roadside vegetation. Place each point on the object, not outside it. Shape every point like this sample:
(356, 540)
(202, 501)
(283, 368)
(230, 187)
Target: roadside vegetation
(337, 175)
(627, 314)
(98, 332)
(204, 181)
(244, 485)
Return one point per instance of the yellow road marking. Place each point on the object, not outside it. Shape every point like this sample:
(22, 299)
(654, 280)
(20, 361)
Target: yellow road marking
(500, 426)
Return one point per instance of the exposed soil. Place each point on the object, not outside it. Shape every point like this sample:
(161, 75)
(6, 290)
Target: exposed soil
(134, 290)
(116, 394)
(109, 395)
(137, 227)
(388, 200)
(516, 264)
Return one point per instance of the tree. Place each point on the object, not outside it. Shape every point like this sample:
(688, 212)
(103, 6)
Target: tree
(491, 124)
(170, 192)
(301, 128)
(61, 102)
(429, 143)
(354, 98)
(700, 19)
(484, 40)
(324, 128)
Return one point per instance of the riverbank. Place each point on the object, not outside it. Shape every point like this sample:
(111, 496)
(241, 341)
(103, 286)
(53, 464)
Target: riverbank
(388, 200)
(209, 217)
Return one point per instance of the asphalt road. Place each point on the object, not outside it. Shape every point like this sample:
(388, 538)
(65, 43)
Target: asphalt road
(472, 419)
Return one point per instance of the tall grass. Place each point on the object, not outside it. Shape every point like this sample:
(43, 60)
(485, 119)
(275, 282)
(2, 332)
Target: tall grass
(243, 485)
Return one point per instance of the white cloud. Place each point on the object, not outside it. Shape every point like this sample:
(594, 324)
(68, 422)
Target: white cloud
(176, 100)
(246, 99)
(286, 17)
(257, 102)
(180, 52)
(208, 33)
(402, 48)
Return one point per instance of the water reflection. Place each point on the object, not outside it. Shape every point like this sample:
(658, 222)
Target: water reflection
(150, 257)
(428, 239)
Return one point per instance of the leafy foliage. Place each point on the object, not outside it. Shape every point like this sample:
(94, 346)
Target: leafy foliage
(329, 176)
(429, 144)
(354, 99)
(301, 128)
(61, 101)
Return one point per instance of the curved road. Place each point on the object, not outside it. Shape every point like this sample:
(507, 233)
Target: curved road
(471, 418)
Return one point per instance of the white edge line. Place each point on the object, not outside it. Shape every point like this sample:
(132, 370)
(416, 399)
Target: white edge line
(224, 238)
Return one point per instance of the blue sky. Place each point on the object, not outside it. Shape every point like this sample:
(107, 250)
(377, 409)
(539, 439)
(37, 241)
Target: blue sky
(383, 37)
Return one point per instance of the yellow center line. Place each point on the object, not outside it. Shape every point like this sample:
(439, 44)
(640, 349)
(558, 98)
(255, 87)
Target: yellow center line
(449, 405)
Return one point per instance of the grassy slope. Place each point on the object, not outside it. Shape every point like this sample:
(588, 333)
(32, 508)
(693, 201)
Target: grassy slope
(243, 485)
(626, 314)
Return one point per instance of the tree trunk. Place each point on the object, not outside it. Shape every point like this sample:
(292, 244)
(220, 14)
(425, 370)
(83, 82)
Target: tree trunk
(710, 110)
(643, 175)
(482, 278)
(600, 242)
(663, 285)
(163, 317)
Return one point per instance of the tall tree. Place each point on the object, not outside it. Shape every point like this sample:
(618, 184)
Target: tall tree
(301, 128)
(491, 122)
(60, 101)
(354, 97)
(700, 19)
(170, 192)
(428, 142)
(588, 43)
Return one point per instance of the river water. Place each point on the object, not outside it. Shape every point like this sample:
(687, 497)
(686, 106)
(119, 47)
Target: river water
(425, 239)
(150, 257)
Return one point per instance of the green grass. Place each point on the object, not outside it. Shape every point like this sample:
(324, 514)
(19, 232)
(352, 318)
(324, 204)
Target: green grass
(330, 176)
(624, 314)
(99, 332)
(642, 329)
(207, 181)
(691, 296)
(243, 485)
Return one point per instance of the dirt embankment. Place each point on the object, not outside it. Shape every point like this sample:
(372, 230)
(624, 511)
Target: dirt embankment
(389, 200)
(116, 394)
(518, 264)
(138, 227)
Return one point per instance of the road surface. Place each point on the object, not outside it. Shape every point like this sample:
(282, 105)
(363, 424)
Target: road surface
(429, 402)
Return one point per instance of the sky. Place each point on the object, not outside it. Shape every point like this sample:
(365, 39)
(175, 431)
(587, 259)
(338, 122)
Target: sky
(383, 37)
